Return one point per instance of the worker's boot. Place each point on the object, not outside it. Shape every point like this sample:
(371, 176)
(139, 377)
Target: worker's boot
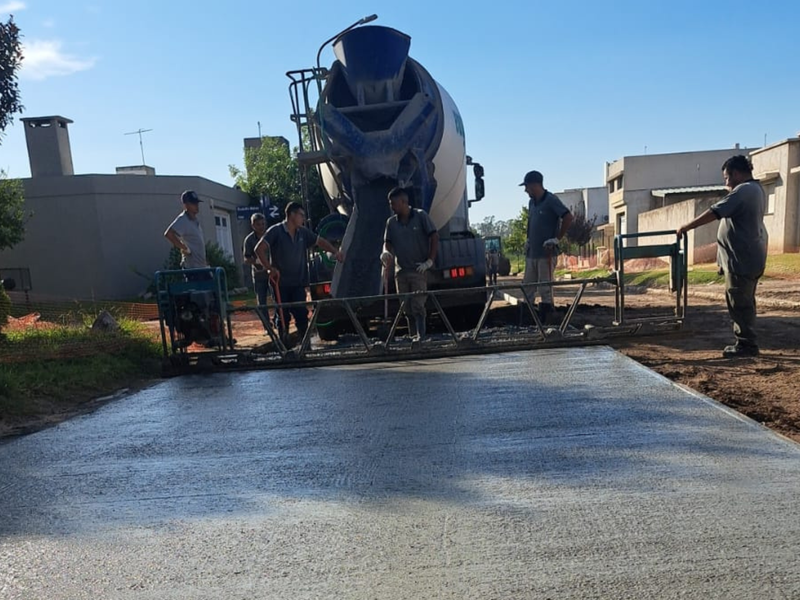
(412, 326)
(545, 310)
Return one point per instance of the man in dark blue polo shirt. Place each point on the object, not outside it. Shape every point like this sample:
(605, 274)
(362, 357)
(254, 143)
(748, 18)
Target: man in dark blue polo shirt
(548, 222)
(741, 249)
(283, 253)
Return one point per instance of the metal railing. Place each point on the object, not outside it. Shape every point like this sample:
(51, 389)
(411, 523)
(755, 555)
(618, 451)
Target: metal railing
(678, 264)
(375, 346)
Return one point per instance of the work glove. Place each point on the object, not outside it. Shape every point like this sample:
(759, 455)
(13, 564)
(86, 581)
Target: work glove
(552, 242)
(424, 266)
(386, 258)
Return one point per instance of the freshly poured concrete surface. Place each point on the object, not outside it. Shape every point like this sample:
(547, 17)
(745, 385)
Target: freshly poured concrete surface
(549, 474)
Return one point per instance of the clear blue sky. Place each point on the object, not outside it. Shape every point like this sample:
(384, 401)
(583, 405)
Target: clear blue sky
(561, 87)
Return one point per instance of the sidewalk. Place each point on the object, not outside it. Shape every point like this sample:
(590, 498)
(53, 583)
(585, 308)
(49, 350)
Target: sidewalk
(771, 293)
(775, 294)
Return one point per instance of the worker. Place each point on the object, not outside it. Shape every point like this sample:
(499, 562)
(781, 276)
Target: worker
(741, 249)
(282, 252)
(412, 241)
(548, 222)
(492, 264)
(261, 285)
(186, 234)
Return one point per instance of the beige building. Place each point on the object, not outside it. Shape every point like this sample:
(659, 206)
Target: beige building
(89, 235)
(632, 180)
(777, 167)
(587, 202)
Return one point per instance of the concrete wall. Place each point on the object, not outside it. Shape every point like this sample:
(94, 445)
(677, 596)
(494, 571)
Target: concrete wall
(587, 202)
(641, 174)
(702, 242)
(88, 233)
(783, 221)
(573, 200)
(596, 199)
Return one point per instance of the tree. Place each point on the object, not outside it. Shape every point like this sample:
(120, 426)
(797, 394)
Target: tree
(517, 233)
(10, 60)
(580, 231)
(12, 217)
(270, 170)
(12, 221)
(486, 227)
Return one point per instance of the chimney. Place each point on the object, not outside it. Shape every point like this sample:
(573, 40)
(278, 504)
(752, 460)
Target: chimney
(49, 152)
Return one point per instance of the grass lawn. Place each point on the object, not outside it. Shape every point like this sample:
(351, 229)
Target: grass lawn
(69, 364)
(779, 266)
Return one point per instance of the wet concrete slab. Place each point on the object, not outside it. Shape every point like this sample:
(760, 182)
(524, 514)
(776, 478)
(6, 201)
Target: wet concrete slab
(548, 474)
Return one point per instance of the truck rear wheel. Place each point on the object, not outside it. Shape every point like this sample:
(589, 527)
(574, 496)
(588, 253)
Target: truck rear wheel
(504, 268)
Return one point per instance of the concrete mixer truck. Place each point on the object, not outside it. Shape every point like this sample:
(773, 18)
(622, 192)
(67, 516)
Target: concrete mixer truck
(374, 120)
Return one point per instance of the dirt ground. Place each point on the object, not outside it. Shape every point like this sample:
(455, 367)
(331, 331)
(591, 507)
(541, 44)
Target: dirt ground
(766, 389)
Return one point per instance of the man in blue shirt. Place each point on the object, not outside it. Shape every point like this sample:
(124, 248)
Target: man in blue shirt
(283, 253)
(548, 222)
(741, 249)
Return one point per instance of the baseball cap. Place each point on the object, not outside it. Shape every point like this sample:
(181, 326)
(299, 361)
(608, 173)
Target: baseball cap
(532, 177)
(190, 196)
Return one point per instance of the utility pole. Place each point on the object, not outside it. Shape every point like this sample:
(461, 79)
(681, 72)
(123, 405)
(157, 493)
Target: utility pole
(139, 132)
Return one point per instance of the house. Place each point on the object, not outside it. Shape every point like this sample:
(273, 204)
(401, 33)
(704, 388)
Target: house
(638, 184)
(777, 167)
(588, 202)
(98, 236)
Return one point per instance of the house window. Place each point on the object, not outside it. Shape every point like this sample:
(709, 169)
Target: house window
(224, 237)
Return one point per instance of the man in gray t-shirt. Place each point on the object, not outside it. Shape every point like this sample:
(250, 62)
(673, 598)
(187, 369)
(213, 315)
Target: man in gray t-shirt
(741, 249)
(412, 240)
(186, 234)
(548, 221)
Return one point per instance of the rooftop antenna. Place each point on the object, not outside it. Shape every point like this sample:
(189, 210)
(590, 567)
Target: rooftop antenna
(141, 145)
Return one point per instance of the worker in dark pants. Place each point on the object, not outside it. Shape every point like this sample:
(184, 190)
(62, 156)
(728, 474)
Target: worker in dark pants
(283, 253)
(413, 240)
(261, 284)
(492, 265)
(741, 249)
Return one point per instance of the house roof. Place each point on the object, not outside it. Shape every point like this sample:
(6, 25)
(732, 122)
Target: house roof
(689, 190)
